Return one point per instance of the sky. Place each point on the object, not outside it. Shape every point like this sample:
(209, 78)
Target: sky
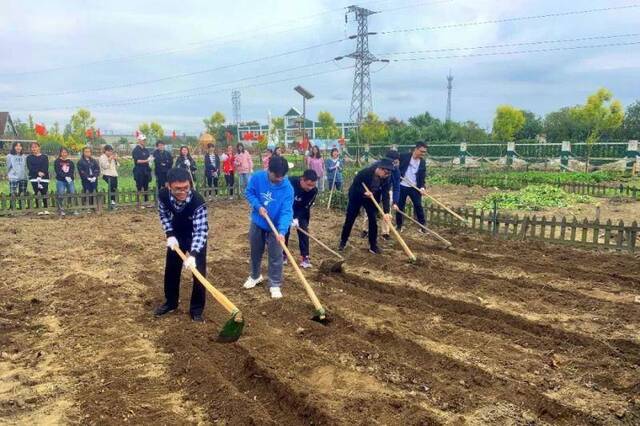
(176, 63)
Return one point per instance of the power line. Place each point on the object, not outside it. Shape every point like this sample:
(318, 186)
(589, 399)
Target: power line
(528, 43)
(176, 76)
(135, 101)
(517, 52)
(513, 19)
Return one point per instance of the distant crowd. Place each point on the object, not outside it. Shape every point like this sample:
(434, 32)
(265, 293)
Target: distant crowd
(34, 168)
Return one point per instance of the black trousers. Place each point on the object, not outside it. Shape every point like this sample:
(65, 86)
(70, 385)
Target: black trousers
(161, 179)
(112, 183)
(353, 209)
(89, 187)
(416, 200)
(172, 270)
(230, 181)
(42, 192)
(303, 240)
(142, 183)
(212, 182)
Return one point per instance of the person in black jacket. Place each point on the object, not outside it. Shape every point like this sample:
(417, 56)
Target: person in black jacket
(141, 168)
(212, 167)
(377, 177)
(89, 170)
(38, 167)
(184, 218)
(185, 161)
(304, 195)
(413, 169)
(163, 161)
(65, 170)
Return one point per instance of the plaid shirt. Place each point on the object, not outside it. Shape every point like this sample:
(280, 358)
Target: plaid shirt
(200, 222)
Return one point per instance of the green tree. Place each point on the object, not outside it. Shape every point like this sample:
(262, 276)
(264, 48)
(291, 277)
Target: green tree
(23, 129)
(631, 125)
(328, 128)
(214, 123)
(422, 120)
(152, 130)
(532, 127)
(507, 122)
(79, 123)
(373, 131)
(562, 125)
(602, 116)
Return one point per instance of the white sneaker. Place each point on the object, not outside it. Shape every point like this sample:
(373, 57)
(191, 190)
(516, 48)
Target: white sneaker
(275, 292)
(251, 282)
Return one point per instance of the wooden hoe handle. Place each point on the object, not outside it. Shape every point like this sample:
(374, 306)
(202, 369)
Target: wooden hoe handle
(456, 215)
(221, 298)
(292, 261)
(395, 233)
(434, 233)
(320, 243)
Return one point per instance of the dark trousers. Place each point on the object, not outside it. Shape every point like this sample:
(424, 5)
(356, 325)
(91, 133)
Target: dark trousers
(42, 192)
(142, 183)
(212, 182)
(303, 240)
(230, 181)
(353, 208)
(172, 270)
(112, 183)
(416, 200)
(89, 187)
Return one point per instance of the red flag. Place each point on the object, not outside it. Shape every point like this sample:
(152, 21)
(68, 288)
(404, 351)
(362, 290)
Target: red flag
(173, 135)
(89, 133)
(40, 129)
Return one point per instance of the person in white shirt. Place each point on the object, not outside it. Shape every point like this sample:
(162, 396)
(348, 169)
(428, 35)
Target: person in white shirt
(413, 169)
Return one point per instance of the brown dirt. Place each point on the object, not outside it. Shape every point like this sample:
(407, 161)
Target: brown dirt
(614, 208)
(490, 331)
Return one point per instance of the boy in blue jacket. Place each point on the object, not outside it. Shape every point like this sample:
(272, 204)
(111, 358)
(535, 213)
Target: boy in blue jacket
(269, 194)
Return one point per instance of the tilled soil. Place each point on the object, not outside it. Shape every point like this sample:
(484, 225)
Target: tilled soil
(487, 332)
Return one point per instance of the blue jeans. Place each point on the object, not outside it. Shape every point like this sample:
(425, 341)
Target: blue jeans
(243, 181)
(62, 187)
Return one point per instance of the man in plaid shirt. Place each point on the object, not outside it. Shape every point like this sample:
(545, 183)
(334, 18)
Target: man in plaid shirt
(183, 214)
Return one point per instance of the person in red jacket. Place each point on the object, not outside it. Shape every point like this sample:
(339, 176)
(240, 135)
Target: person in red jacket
(228, 168)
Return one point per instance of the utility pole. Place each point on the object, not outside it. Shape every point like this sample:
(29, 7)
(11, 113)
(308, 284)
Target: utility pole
(361, 100)
(449, 88)
(235, 100)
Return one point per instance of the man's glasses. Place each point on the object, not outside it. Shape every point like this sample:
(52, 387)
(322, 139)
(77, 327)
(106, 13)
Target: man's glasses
(179, 190)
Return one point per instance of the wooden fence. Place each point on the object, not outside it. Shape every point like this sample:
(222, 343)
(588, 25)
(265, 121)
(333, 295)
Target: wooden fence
(586, 233)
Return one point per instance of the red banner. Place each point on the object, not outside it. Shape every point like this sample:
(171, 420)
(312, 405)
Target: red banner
(40, 129)
(89, 133)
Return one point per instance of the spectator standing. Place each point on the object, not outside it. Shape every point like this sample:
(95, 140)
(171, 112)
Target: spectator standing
(65, 172)
(141, 168)
(228, 168)
(316, 163)
(163, 161)
(17, 172)
(38, 168)
(109, 169)
(212, 167)
(244, 166)
(89, 170)
(334, 166)
(185, 161)
(265, 158)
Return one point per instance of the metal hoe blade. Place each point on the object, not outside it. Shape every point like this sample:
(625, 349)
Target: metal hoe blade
(232, 329)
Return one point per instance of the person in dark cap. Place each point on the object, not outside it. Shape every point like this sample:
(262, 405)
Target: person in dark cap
(377, 178)
(395, 195)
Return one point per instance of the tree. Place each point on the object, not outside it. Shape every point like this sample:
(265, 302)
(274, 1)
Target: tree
(152, 130)
(422, 120)
(277, 130)
(373, 131)
(80, 122)
(23, 129)
(328, 128)
(631, 125)
(602, 116)
(213, 123)
(562, 125)
(532, 127)
(507, 123)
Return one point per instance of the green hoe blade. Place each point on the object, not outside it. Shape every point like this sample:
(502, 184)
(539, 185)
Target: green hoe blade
(232, 329)
(320, 316)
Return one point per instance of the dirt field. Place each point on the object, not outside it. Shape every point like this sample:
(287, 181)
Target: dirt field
(489, 332)
(614, 208)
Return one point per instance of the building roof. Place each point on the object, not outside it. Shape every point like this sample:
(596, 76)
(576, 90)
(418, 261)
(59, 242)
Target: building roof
(293, 112)
(6, 124)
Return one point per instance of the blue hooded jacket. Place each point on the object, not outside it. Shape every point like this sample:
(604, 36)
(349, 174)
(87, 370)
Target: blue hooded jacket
(276, 198)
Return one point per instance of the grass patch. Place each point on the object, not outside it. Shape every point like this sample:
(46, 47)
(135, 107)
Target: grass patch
(533, 197)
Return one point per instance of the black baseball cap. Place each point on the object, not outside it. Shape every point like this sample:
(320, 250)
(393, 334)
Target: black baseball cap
(386, 164)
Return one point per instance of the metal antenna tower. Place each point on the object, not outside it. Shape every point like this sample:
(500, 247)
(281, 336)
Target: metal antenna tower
(235, 100)
(361, 102)
(449, 88)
